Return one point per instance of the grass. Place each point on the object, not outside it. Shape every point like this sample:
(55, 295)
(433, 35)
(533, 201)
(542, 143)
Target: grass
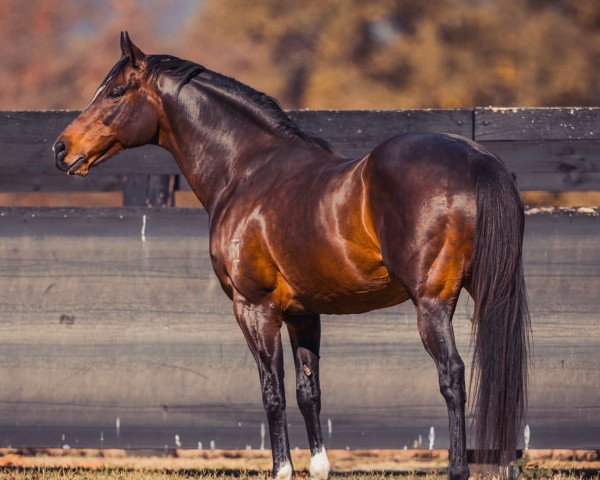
(70, 474)
(117, 474)
(64, 474)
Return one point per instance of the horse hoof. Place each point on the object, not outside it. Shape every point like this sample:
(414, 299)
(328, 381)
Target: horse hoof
(459, 473)
(319, 466)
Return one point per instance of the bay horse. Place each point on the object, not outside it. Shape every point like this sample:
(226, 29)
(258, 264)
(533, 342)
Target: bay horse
(298, 230)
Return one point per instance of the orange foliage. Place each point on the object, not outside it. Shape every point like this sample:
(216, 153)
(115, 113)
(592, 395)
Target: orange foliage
(315, 54)
(407, 53)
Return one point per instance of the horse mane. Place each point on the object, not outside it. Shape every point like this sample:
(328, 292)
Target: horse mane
(264, 107)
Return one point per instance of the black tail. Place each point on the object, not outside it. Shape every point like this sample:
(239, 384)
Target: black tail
(501, 319)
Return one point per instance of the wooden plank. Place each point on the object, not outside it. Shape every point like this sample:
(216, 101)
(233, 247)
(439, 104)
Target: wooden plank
(26, 140)
(558, 166)
(26, 137)
(115, 313)
(23, 159)
(558, 151)
(536, 124)
(56, 181)
(33, 127)
(355, 132)
(551, 165)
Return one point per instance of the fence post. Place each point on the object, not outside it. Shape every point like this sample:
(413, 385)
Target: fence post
(141, 190)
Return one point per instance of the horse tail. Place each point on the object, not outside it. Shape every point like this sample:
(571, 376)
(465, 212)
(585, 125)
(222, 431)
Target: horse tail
(501, 324)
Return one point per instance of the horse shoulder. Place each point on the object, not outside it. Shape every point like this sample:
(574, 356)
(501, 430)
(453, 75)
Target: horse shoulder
(242, 259)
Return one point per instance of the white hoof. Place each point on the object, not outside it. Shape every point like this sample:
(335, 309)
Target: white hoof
(319, 466)
(284, 472)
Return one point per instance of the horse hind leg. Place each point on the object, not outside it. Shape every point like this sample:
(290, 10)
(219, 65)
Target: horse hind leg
(305, 338)
(435, 289)
(434, 320)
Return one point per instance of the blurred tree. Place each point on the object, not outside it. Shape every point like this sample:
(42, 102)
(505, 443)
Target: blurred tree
(316, 54)
(405, 53)
(55, 52)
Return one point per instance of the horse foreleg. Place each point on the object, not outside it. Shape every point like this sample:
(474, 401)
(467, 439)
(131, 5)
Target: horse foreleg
(434, 319)
(305, 338)
(261, 325)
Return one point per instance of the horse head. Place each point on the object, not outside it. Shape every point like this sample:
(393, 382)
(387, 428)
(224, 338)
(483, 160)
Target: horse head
(122, 114)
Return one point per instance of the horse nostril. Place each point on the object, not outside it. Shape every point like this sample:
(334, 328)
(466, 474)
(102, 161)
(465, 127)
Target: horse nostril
(59, 147)
(60, 152)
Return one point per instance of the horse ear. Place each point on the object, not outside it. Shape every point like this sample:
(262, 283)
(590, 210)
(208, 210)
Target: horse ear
(128, 49)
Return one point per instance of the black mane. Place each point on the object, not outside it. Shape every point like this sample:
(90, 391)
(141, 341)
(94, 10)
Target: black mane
(262, 106)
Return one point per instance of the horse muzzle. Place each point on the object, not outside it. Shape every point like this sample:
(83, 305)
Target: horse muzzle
(61, 150)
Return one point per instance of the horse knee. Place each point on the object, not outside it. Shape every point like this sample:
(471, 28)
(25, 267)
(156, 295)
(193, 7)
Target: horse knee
(452, 381)
(274, 404)
(309, 400)
(273, 393)
(453, 395)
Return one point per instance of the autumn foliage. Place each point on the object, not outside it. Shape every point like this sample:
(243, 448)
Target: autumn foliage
(371, 54)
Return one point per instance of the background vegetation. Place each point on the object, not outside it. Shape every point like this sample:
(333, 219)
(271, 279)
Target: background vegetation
(313, 54)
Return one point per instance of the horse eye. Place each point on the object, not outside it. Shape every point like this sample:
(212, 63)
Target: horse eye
(116, 92)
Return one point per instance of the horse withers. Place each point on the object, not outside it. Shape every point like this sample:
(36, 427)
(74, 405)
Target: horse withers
(298, 230)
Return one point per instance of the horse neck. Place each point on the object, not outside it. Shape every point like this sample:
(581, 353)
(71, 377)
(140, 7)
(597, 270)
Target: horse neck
(210, 140)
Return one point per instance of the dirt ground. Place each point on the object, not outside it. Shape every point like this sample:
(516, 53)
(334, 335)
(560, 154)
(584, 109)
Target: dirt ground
(141, 464)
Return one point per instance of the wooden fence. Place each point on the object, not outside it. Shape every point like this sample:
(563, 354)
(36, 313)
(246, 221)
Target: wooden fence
(549, 149)
(114, 331)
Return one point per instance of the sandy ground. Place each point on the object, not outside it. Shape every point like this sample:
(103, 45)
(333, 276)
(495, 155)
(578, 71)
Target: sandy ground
(260, 460)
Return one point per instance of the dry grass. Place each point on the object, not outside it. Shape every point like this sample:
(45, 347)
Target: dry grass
(107, 464)
(63, 474)
(118, 474)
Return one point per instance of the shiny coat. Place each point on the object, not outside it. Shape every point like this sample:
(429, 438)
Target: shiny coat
(298, 230)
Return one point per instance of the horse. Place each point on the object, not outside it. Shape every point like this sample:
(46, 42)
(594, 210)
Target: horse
(298, 230)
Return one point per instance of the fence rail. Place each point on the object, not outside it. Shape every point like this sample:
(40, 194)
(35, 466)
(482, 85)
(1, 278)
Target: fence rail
(549, 149)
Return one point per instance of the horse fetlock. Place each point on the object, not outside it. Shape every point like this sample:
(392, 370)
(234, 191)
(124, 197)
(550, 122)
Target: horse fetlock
(285, 472)
(319, 466)
(459, 472)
